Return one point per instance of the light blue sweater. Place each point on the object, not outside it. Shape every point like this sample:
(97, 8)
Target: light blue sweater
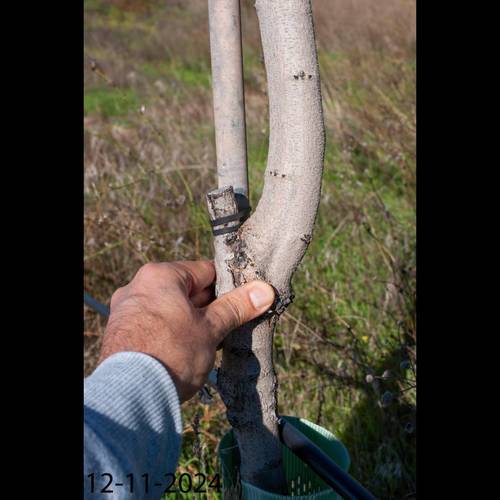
(132, 425)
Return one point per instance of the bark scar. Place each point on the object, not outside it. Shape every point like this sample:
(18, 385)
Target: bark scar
(240, 261)
(281, 302)
(306, 238)
(302, 75)
(243, 269)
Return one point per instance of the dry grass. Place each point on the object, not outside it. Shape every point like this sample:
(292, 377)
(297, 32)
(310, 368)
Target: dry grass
(146, 172)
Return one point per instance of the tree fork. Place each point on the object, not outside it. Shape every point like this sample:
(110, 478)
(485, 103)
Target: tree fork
(271, 243)
(246, 379)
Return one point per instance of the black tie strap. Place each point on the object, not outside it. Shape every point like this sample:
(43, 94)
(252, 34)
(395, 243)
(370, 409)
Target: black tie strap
(239, 217)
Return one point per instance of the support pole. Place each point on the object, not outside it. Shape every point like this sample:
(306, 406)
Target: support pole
(228, 96)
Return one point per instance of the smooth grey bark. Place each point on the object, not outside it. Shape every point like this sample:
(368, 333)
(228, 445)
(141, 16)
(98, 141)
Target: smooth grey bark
(228, 94)
(271, 243)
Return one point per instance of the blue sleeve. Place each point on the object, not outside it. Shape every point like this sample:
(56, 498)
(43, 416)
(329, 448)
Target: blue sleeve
(132, 425)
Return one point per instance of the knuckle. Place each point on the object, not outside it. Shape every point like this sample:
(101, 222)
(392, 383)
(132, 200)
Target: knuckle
(148, 268)
(116, 296)
(184, 277)
(147, 271)
(235, 311)
(218, 327)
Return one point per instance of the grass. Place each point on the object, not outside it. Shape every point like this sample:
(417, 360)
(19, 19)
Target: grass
(109, 102)
(146, 174)
(184, 73)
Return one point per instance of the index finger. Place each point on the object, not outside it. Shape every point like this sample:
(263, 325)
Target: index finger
(196, 275)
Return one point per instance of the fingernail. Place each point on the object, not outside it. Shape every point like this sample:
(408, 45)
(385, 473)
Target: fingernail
(261, 295)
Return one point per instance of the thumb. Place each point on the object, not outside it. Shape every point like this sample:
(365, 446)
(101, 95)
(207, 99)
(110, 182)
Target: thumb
(237, 307)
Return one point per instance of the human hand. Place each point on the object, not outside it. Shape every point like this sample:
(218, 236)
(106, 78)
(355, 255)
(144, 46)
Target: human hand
(168, 312)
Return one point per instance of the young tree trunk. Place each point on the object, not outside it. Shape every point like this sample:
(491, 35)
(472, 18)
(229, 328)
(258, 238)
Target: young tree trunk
(271, 243)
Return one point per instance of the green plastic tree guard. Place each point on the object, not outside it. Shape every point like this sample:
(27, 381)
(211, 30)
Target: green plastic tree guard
(303, 483)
